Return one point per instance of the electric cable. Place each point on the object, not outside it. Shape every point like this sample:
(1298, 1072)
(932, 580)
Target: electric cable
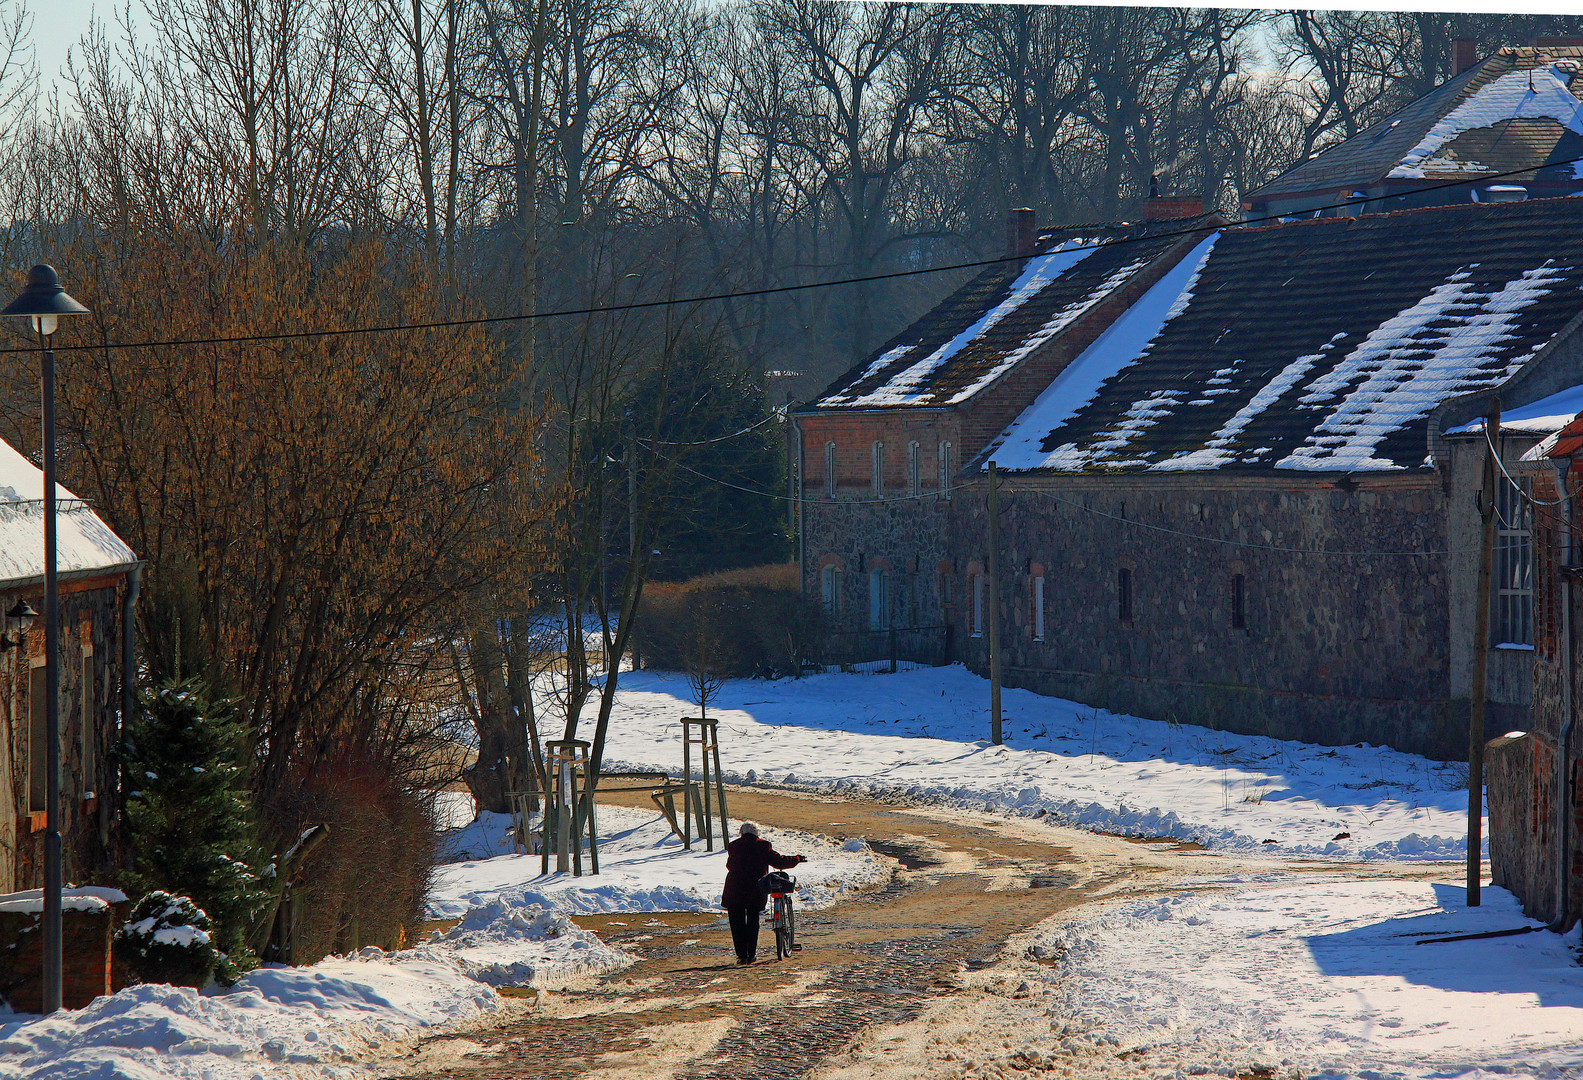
(772, 290)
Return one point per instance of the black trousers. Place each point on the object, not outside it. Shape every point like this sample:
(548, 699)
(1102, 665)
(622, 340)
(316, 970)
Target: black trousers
(744, 931)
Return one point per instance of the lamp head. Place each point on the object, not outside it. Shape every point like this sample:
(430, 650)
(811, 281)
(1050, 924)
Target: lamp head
(43, 300)
(22, 614)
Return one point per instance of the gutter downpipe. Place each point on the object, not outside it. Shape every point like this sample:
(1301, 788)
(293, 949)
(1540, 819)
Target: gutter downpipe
(1563, 921)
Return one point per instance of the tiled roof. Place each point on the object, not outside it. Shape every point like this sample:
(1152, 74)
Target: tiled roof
(1517, 109)
(1321, 345)
(989, 324)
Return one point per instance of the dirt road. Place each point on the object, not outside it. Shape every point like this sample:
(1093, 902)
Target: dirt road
(965, 884)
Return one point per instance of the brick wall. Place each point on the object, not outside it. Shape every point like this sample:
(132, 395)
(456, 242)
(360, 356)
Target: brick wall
(85, 957)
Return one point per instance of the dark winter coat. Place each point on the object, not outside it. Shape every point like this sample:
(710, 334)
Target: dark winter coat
(747, 859)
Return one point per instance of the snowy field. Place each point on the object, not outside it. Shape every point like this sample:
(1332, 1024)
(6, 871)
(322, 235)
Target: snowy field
(923, 736)
(1320, 978)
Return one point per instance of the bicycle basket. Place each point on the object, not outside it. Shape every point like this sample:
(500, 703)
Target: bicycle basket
(778, 881)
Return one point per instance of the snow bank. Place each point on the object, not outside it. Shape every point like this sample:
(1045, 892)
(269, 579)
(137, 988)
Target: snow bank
(317, 1020)
(1322, 978)
(920, 736)
(505, 943)
(642, 867)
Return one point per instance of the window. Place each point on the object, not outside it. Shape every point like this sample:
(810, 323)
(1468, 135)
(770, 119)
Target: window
(978, 605)
(1124, 594)
(1239, 603)
(829, 470)
(38, 740)
(1036, 595)
(830, 589)
(912, 469)
(945, 469)
(1514, 593)
(90, 731)
(879, 470)
(878, 600)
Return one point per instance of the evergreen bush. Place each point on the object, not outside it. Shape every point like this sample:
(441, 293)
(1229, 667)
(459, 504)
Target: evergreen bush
(188, 806)
(167, 939)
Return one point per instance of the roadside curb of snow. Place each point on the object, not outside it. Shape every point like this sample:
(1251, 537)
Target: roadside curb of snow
(1122, 820)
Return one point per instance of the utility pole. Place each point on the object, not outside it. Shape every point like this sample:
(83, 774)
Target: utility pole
(994, 606)
(1481, 653)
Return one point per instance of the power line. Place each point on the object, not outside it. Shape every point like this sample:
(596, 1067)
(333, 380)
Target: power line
(773, 290)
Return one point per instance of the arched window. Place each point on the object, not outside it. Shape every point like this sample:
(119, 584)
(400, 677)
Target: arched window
(945, 468)
(1036, 599)
(912, 469)
(830, 589)
(879, 470)
(878, 600)
(829, 470)
(978, 605)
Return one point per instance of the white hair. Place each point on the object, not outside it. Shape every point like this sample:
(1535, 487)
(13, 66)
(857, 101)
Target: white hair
(748, 828)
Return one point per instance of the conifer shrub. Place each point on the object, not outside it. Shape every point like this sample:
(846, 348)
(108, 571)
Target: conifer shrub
(168, 939)
(751, 622)
(189, 813)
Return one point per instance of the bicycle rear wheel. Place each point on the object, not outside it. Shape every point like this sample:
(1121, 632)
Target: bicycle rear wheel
(791, 927)
(782, 928)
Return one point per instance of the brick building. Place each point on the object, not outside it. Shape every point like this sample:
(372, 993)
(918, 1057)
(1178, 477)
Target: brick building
(1236, 487)
(98, 577)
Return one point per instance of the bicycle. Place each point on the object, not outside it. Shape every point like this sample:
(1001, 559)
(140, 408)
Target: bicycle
(783, 918)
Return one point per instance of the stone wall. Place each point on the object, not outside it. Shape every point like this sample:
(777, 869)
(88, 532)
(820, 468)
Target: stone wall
(90, 621)
(1519, 776)
(1336, 649)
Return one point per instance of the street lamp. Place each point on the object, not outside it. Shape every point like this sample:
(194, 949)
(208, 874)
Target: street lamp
(44, 301)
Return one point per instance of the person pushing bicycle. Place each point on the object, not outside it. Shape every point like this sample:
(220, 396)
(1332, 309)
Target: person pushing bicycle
(748, 859)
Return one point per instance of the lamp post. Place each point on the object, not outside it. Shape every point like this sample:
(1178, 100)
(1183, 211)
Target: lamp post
(44, 301)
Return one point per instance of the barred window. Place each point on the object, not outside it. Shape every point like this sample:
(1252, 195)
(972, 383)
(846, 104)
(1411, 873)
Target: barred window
(1036, 596)
(1513, 624)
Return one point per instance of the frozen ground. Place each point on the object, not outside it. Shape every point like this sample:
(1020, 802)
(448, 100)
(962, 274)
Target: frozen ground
(1323, 977)
(923, 735)
(642, 867)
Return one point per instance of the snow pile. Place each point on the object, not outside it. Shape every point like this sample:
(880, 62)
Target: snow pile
(1327, 978)
(1539, 92)
(921, 737)
(1123, 344)
(642, 867)
(319, 1020)
(505, 943)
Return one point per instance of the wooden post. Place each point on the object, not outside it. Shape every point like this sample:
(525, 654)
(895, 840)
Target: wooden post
(687, 788)
(994, 607)
(1481, 653)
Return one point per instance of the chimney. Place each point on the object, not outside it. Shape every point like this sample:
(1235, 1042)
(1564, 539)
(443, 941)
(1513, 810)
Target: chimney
(1464, 54)
(1172, 209)
(1020, 233)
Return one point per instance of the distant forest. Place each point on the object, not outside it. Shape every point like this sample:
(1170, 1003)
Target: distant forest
(547, 154)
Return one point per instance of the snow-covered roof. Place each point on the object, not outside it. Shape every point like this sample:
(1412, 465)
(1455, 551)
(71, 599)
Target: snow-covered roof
(1318, 346)
(83, 541)
(1517, 109)
(989, 325)
(1543, 417)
